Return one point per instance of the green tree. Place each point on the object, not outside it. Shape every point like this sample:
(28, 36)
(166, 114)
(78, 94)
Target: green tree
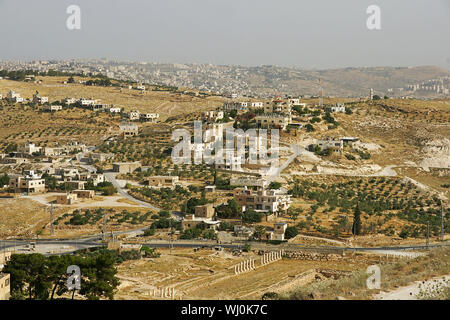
(290, 232)
(4, 180)
(260, 231)
(357, 226)
(274, 185)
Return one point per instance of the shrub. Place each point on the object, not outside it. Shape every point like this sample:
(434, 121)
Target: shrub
(290, 232)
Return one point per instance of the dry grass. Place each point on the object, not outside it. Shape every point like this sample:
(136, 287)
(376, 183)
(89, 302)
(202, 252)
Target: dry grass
(393, 275)
(165, 103)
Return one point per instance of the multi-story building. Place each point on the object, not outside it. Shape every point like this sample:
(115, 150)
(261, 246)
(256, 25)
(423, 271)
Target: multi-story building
(229, 160)
(257, 104)
(278, 106)
(37, 99)
(191, 221)
(113, 110)
(69, 101)
(238, 106)
(134, 115)
(14, 97)
(338, 108)
(29, 148)
(5, 286)
(279, 229)
(149, 117)
(128, 130)
(5, 256)
(205, 211)
(27, 184)
(212, 116)
(273, 201)
(87, 102)
(276, 120)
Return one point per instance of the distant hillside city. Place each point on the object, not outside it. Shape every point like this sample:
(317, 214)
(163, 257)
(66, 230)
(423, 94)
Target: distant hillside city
(261, 81)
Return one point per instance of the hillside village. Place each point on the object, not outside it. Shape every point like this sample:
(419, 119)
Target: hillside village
(113, 175)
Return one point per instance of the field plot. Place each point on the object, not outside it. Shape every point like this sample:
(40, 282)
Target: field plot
(207, 274)
(22, 217)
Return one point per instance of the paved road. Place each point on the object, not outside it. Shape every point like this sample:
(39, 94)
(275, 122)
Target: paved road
(91, 241)
(296, 151)
(111, 177)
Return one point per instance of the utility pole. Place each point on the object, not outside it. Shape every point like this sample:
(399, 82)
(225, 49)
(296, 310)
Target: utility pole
(52, 229)
(428, 231)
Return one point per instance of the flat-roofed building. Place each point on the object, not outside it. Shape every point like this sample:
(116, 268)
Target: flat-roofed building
(128, 130)
(339, 108)
(238, 106)
(205, 211)
(14, 97)
(279, 228)
(75, 185)
(100, 157)
(212, 116)
(350, 141)
(87, 102)
(149, 117)
(69, 101)
(37, 99)
(96, 178)
(52, 108)
(191, 221)
(126, 167)
(84, 194)
(273, 201)
(5, 256)
(273, 120)
(133, 115)
(66, 199)
(257, 104)
(14, 160)
(27, 184)
(52, 152)
(5, 286)
(249, 182)
(162, 181)
(330, 143)
(113, 110)
(29, 148)
(278, 106)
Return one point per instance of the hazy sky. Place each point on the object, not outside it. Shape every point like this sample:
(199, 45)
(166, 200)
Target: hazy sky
(308, 34)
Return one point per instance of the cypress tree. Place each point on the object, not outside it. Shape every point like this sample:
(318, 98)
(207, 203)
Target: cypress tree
(356, 229)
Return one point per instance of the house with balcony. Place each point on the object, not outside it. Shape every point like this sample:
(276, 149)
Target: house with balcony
(273, 201)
